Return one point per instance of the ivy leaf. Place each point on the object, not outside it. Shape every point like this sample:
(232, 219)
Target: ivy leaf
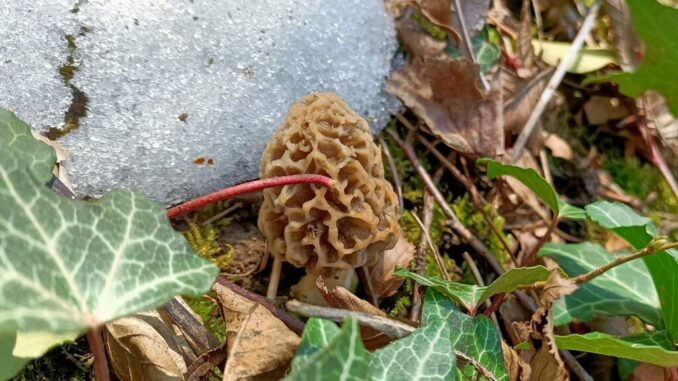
(655, 25)
(18, 348)
(475, 340)
(424, 355)
(69, 265)
(649, 348)
(624, 290)
(537, 184)
(343, 358)
(318, 333)
(639, 231)
(471, 296)
(38, 156)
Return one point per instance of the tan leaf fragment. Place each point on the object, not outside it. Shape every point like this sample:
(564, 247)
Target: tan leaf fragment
(475, 15)
(556, 287)
(600, 110)
(416, 41)
(438, 12)
(517, 369)
(444, 92)
(143, 347)
(628, 46)
(558, 146)
(259, 344)
(521, 95)
(381, 273)
(524, 50)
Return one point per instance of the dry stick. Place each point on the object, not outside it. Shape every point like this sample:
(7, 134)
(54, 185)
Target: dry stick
(648, 250)
(468, 44)
(395, 176)
(420, 263)
(292, 323)
(436, 255)
(455, 225)
(223, 213)
(96, 346)
(656, 156)
(531, 256)
(365, 279)
(250, 186)
(550, 89)
(390, 327)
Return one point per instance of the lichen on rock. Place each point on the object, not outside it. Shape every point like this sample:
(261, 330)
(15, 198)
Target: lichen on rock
(310, 226)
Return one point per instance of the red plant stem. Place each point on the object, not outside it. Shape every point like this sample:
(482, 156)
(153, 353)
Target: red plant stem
(96, 346)
(250, 186)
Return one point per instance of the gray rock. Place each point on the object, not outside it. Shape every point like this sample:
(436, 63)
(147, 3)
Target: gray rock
(168, 84)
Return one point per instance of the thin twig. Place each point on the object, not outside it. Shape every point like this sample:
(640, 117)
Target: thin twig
(390, 327)
(575, 366)
(96, 346)
(395, 176)
(248, 187)
(555, 80)
(436, 255)
(366, 281)
(656, 155)
(222, 214)
(531, 256)
(455, 224)
(420, 262)
(468, 44)
(648, 250)
(292, 323)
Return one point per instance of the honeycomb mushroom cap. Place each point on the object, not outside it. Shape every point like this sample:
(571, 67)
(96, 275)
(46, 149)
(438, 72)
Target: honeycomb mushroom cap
(315, 227)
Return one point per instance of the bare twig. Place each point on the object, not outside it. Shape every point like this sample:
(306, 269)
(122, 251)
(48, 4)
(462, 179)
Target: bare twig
(96, 346)
(421, 255)
(555, 80)
(250, 186)
(531, 256)
(575, 366)
(455, 224)
(390, 327)
(436, 255)
(292, 323)
(468, 44)
(223, 213)
(656, 155)
(395, 176)
(648, 250)
(366, 281)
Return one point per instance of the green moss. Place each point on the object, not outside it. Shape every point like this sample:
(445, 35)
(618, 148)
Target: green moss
(475, 221)
(204, 239)
(432, 29)
(207, 311)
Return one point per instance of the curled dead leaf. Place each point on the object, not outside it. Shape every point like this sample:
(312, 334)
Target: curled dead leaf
(444, 92)
(556, 286)
(143, 347)
(259, 344)
(517, 369)
(558, 146)
(381, 273)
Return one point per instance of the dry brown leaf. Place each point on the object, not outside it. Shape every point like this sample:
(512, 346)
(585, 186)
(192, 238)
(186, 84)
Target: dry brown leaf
(143, 347)
(558, 146)
(628, 46)
(660, 118)
(258, 342)
(444, 92)
(556, 287)
(396, 8)
(521, 96)
(515, 366)
(600, 110)
(385, 284)
(416, 41)
(545, 366)
(647, 372)
(524, 50)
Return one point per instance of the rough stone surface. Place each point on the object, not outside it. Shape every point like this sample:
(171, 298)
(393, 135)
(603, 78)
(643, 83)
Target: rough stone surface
(182, 96)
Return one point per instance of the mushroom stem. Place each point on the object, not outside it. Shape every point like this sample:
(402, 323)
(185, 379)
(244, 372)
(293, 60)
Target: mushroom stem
(275, 277)
(250, 186)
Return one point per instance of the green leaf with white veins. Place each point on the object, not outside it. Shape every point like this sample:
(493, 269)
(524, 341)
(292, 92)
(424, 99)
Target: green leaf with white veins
(317, 334)
(639, 232)
(69, 265)
(621, 291)
(471, 296)
(475, 339)
(343, 358)
(38, 156)
(426, 354)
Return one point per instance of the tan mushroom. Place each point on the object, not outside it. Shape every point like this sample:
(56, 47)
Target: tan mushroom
(318, 228)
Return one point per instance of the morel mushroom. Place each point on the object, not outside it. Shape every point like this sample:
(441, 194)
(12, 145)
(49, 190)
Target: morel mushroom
(311, 226)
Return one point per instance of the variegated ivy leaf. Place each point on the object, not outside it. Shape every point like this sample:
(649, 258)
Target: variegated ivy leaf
(68, 265)
(471, 296)
(621, 291)
(317, 335)
(343, 356)
(475, 339)
(426, 354)
(36, 155)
